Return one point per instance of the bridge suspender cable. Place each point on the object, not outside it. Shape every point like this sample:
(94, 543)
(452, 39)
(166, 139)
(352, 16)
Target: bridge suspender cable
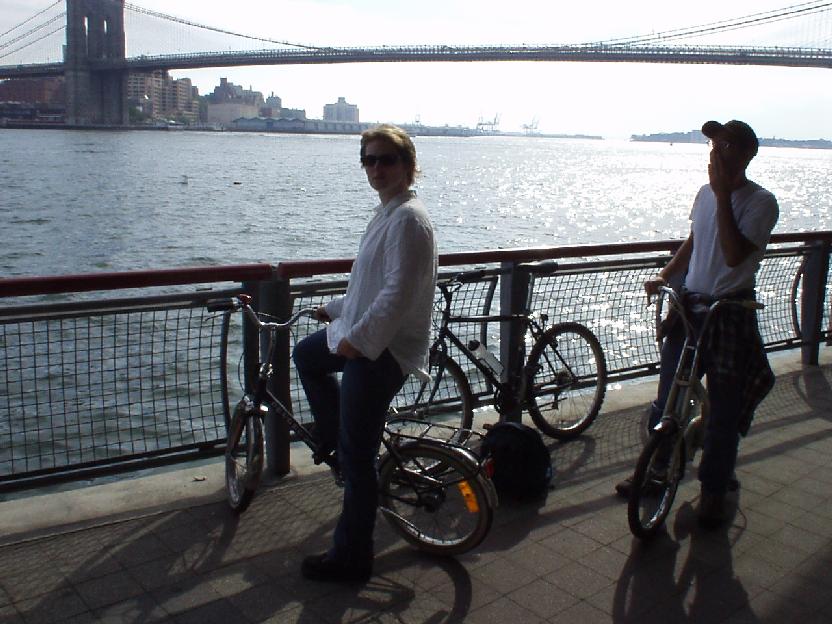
(32, 31)
(51, 6)
(137, 9)
(775, 15)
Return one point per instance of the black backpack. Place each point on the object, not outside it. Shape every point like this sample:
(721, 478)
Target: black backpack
(522, 467)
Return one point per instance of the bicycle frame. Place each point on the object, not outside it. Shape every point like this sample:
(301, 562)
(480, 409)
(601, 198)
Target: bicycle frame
(262, 396)
(513, 386)
(687, 389)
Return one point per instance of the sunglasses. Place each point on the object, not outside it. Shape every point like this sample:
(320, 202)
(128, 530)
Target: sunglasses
(720, 145)
(385, 160)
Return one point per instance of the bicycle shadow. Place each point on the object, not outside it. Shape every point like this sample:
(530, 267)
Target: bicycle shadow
(654, 586)
(124, 570)
(203, 562)
(406, 586)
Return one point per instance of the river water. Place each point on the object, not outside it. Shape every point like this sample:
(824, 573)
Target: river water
(88, 201)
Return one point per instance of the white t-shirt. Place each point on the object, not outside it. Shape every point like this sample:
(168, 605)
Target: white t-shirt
(389, 298)
(755, 211)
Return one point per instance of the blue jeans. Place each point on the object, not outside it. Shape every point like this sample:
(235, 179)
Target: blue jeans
(722, 438)
(350, 418)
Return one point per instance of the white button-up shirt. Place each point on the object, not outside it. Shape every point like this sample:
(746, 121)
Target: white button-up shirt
(389, 298)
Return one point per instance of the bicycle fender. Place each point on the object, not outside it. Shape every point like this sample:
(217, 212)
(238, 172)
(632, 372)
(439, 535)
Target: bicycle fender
(472, 461)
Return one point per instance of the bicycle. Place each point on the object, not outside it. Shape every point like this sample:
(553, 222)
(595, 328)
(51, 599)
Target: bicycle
(562, 383)
(680, 432)
(432, 489)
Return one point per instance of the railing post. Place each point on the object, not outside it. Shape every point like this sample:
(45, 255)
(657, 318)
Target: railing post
(514, 288)
(276, 300)
(811, 304)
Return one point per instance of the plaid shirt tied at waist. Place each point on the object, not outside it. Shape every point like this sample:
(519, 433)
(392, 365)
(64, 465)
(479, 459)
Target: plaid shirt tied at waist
(733, 349)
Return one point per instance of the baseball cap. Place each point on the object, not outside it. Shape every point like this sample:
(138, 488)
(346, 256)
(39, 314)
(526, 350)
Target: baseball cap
(737, 132)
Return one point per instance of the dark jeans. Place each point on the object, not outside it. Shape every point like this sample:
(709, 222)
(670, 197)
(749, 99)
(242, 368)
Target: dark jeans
(722, 438)
(350, 418)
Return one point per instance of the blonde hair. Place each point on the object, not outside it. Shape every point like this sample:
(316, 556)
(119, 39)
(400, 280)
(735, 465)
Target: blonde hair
(399, 140)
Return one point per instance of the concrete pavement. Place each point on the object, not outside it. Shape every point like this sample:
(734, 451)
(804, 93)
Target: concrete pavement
(164, 548)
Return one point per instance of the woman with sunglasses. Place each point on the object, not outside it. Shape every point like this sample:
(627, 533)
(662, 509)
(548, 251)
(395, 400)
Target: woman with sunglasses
(378, 333)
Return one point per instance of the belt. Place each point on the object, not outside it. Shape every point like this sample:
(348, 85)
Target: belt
(695, 298)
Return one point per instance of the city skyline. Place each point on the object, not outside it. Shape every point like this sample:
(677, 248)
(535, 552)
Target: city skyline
(607, 99)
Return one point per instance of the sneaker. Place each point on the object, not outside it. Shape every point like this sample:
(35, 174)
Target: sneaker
(711, 513)
(327, 570)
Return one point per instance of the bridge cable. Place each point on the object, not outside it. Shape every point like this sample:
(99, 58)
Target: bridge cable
(180, 20)
(34, 30)
(51, 6)
(728, 24)
(774, 15)
(23, 47)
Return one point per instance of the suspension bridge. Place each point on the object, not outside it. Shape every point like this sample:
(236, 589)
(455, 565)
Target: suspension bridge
(89, 37)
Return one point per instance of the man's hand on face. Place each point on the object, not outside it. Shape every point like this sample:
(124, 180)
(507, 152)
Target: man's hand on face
(716, 173)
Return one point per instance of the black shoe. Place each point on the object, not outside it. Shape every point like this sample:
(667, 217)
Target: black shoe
(711, 510)
(322, 568)
(622, 488)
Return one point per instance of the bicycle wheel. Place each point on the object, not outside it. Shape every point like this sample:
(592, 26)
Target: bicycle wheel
(434, 498)
(244, 454)
(567, 379)
(447, 401)
(659, 469)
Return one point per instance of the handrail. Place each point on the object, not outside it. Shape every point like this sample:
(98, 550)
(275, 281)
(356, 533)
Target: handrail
(308, 268)
(50, 285)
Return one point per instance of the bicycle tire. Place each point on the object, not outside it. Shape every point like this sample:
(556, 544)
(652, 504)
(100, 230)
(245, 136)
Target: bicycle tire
(244, 456)
(449, 402)
(651, 496)
(434, 498)
(566, 380)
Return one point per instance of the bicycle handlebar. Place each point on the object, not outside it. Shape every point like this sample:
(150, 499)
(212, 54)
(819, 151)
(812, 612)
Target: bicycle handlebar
(243, 302)
(476, 275)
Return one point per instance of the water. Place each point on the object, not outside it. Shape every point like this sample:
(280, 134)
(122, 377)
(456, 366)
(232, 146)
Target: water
(78, 202)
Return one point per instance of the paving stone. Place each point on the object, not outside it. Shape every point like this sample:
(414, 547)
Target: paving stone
(543, 598)
(110, 589)
(579, 580)
(138, 609)
(61, 603)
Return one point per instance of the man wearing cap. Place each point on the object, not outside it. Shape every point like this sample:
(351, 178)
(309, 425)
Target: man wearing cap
(731, 221)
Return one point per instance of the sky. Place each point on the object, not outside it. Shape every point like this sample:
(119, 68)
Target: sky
(614, 100)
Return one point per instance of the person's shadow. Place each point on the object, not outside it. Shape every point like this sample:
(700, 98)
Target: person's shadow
(708, 571)
(704, 589)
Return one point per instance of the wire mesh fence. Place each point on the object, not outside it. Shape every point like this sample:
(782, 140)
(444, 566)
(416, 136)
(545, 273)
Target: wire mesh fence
(106, 382)
(99, 382)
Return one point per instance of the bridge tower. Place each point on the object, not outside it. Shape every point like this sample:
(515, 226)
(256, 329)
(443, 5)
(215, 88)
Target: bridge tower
(94, 31)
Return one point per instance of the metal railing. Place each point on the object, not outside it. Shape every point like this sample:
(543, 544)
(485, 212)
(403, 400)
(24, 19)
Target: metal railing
(108, 384)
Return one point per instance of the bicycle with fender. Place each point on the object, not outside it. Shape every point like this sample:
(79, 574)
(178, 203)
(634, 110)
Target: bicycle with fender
(562, 383)
(432, 489)
(680, 433)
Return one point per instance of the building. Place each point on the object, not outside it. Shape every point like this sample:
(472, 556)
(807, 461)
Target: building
(229, 102)
(48, 91)
(38, 100)
(157, 96)
(341, 111)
